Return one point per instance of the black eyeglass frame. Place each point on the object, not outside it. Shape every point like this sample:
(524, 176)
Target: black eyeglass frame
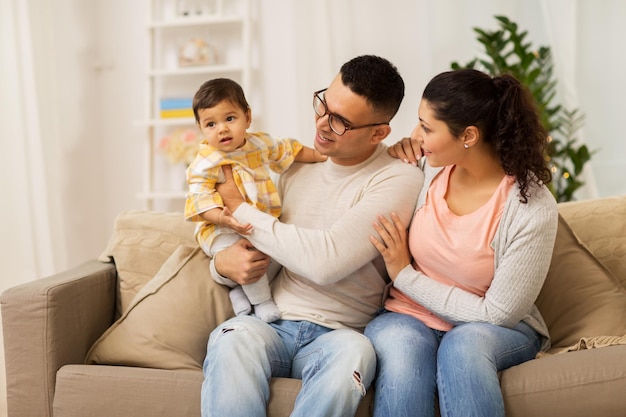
(346, 125)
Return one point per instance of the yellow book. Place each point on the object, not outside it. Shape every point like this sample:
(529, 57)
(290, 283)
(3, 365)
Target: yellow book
(173, 113)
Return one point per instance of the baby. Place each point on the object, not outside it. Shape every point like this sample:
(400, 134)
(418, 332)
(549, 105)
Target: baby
(224, 116)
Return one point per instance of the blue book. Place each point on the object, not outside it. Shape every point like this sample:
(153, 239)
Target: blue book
(176, 103)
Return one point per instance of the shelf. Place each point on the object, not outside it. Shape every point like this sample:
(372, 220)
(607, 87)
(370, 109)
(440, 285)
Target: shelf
(206, 69)
(162, 195)
(195, 21)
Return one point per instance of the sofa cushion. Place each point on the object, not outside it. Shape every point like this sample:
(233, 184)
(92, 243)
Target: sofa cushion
(168, 323)
(577, 384)
(140, 244)
(580, 297)
(600, 224)
(104, 391)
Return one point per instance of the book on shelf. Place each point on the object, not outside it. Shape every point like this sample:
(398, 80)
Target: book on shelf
(175, 107)
(176, 113)
(176, 103)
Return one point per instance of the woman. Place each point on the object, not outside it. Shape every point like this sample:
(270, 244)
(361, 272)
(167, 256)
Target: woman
(467, 273)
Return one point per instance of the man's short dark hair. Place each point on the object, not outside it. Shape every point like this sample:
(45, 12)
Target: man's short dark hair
(376, 79)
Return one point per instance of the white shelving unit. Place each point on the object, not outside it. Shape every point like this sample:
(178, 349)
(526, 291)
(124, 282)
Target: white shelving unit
(223, 28)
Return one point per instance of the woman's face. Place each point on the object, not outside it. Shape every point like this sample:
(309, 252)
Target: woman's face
(438, 143)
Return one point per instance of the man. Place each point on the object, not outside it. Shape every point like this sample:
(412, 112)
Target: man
(333, 279)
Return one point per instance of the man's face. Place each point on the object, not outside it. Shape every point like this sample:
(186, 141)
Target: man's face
(354, 146)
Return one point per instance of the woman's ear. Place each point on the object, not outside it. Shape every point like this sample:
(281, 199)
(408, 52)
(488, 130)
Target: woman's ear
(470, 136)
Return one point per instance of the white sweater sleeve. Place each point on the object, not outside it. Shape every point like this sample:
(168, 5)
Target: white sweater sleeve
(522, 262)
(326, 255)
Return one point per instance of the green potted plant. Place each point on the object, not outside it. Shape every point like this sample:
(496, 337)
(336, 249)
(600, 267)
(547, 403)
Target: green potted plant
(506, 51)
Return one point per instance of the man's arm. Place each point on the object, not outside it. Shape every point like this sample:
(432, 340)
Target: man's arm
(326, 256)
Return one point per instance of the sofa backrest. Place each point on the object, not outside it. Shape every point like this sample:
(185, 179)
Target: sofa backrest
(601, 226)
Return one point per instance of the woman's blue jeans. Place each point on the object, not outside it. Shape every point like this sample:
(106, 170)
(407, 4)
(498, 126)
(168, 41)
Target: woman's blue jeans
(416, 362)
(336, 367)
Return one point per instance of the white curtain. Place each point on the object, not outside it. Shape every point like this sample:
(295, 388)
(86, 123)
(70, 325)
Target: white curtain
(27, 248)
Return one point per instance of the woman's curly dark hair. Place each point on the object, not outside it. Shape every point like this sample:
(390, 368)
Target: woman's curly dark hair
(505, 113)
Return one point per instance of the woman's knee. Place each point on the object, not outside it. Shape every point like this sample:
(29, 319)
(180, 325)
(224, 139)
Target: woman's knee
(394, 332)
(467, 343)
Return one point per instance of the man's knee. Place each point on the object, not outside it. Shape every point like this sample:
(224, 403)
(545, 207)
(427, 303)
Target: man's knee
(235, 328)
(358, 357)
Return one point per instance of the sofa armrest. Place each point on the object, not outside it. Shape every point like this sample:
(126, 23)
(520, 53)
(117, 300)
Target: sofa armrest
(49, 323)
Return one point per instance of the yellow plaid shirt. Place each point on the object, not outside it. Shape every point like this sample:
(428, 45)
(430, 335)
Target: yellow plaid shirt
(251, 171)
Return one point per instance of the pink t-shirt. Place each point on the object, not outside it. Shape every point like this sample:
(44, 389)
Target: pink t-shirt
(451, 249)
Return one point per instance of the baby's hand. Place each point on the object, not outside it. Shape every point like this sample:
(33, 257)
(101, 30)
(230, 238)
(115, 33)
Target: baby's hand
(226, 219)
(319, 157)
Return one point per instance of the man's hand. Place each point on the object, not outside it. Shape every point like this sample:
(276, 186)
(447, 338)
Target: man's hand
(241, 263)
(228, 190)
(226, 218)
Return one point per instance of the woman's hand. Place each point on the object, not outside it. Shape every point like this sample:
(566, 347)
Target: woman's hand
(241, 262)
(408, 149)
(393, 247)
(228, 190)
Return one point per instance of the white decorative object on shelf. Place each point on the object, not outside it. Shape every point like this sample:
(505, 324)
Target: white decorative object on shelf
(196, 52)
(195, 7)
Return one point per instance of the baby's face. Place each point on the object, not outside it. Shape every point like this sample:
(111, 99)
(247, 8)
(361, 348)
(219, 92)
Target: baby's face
(225, 125)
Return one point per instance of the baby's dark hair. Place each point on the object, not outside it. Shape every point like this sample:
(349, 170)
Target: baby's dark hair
(214, 91)
(505, 113)
(376, 79)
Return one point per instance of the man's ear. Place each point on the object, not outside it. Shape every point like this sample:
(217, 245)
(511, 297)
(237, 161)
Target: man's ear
(379, 134)
(470, 136)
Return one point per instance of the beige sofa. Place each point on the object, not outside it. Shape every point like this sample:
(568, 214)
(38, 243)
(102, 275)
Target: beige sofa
(146, 317)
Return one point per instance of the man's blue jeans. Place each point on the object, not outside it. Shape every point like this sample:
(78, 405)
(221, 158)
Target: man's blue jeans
(336, 367)
(461, 365)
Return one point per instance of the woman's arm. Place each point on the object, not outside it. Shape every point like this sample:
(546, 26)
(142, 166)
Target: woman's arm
(519, 275)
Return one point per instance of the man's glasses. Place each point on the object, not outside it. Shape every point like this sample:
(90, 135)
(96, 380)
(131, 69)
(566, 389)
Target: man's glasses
(336, 123)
